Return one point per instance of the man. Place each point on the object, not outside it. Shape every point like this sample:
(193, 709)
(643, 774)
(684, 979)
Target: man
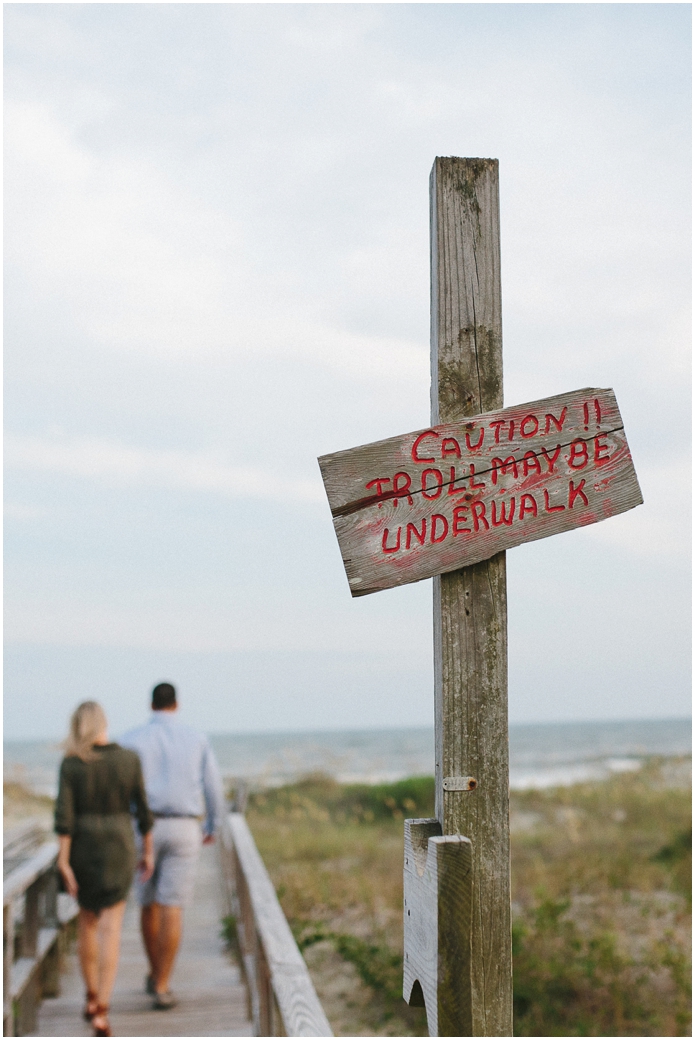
(183, 786)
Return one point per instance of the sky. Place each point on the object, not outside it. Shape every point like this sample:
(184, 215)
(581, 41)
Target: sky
(217, 269)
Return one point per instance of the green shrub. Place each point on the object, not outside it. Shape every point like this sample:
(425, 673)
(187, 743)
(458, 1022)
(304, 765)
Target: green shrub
(377, 964)
(600, 883)
(320, 798)
(228, 933)
(574, 982)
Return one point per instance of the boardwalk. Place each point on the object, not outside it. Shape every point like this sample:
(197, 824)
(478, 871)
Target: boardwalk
(208, 984)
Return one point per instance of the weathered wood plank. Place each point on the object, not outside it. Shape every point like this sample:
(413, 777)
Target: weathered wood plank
(475, 439)
(19, 841)
(470, 605)
(299, 1007)
(7, 958)
(19, 879)
(23, 968)
(436, 926)
(452, 495)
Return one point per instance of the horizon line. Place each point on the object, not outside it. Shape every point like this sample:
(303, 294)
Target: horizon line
(384, 729)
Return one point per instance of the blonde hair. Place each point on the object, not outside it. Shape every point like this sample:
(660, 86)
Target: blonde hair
(88, 721)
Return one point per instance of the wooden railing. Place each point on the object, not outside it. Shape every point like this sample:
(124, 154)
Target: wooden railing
(34, 919)
(20, 842)
(282, 998)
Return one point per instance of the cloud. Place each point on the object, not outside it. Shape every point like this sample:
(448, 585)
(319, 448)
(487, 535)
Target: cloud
(122, 466)
(20, 511)
(190, 622)
(217, 268)
(143, 266)
(662, 526)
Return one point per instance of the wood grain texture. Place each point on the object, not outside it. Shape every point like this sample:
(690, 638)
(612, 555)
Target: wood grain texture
(24, 875)
(436, 926)
(298, 1005)
(433, 500)
(470, 605)
(19, 842)
(35, 972)
(8, 936)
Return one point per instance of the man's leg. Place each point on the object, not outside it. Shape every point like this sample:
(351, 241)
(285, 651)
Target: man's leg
(170, 928)
(149, 907)
(179, 842)
(150, 922)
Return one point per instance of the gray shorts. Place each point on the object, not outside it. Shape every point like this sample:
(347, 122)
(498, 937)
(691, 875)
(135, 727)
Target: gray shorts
(177, 842)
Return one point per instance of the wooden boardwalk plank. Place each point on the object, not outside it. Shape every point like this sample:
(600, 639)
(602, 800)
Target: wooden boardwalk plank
(212, 996)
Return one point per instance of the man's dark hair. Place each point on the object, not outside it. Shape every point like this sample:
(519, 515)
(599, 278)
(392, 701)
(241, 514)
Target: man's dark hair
(163, 696)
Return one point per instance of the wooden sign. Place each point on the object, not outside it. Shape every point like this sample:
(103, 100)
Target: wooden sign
(433, 501)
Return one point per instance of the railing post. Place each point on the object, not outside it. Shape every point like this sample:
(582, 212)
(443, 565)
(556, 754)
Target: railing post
(7, 959)
(26, 1006)
(28, 1000)
(48, 918)
(49, 902)
(265, 994)
(248, 947)
(31, 954)
(30, 927)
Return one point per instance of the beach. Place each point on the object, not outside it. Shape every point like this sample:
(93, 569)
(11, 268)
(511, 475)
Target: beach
(541, 754)
(601, 865)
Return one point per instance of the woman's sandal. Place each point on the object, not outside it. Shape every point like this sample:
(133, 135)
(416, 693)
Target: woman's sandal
(90, 1006)
(102, 1014)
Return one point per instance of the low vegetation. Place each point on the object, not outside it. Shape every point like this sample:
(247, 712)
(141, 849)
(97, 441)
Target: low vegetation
(601, 900)
(601, 886)
(20, 804)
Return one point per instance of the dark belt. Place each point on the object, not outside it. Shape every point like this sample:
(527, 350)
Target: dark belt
(176, 816)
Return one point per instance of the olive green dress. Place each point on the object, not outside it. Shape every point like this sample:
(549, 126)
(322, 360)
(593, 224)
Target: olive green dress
(94, 806)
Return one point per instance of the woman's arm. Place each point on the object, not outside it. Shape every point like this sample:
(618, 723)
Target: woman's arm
(64, 817)
(65, 824)
(66, 871)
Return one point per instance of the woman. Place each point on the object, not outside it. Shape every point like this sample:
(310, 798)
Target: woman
(100, 786)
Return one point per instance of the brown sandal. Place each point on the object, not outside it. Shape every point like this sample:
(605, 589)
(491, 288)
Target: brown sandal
(90, 1006)
(102, 1012)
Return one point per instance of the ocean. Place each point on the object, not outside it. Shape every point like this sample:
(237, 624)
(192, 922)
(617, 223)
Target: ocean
(541, 755)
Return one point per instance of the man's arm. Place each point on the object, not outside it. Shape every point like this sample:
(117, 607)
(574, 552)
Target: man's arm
(215, 805)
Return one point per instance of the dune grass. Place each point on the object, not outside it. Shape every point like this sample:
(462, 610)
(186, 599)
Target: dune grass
(601, 900)
(601, 888)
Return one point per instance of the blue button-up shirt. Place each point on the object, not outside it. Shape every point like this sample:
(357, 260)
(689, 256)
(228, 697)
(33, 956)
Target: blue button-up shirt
(180, 770)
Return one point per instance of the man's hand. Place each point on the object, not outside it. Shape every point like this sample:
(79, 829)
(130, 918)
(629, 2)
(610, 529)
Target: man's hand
(208, 839)
(146, 866)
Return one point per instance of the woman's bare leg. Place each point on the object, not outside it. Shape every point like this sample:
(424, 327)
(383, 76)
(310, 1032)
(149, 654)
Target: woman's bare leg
(110, 922)
(88, 948)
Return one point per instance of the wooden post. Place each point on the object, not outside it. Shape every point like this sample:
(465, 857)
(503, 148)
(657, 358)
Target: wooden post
(470, 605)
(436, 926)
(386, 498)
(8, 937)
(30, 928)
(50, 967)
